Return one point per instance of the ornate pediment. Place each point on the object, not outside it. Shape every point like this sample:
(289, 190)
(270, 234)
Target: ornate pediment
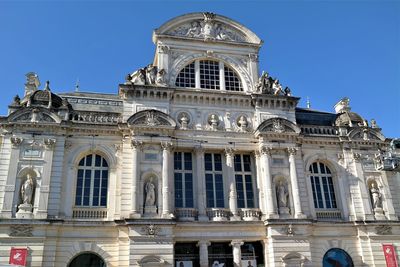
(366, 134)
(33, 115)
(207, 29)
(279, 126)
(207, 26)
(151, 118)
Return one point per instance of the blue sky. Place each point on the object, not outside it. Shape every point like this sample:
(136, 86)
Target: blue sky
(323, 50)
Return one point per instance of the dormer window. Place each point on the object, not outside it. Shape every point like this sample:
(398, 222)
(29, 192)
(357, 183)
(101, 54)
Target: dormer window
(209, 74)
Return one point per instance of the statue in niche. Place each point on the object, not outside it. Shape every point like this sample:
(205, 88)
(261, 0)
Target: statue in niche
(184, 120)
(376, 196)
(150, 199)
(27, 189)
(282, 195)
(242, 123)
(214, 122)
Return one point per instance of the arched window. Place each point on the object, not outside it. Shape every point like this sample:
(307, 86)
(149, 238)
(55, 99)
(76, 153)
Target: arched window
(209, 74)
(337, 257)
(322, 186)
(92, 182)
(87, 260)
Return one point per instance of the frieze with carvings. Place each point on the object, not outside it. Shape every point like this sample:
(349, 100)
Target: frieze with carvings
(383, 230)
(33, 116)
(21, 230)
(208, 29)
(74, 100)
(151, 118)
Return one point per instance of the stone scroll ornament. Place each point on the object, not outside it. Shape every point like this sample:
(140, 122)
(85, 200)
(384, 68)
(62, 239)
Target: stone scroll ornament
(208, 29)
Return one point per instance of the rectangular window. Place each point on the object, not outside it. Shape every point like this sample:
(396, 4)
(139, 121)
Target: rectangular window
(209, 74)
(244, 181)
(214, 180)
(183, 176)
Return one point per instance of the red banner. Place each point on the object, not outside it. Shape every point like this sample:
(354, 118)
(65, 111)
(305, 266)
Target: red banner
(18, 256)
(390, 255)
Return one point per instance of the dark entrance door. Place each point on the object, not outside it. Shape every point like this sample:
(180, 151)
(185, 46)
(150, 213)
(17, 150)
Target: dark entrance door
(87, 260)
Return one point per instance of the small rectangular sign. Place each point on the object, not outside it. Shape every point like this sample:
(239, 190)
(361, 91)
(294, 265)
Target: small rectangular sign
(390, 255)
(18, 256)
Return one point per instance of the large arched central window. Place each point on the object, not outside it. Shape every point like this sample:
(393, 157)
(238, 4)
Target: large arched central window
(92, 182)
(87, 260)
(322, 186)
(209, 74)
(336, 257)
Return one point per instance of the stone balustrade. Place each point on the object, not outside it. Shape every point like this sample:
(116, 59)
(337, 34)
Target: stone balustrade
(329, 215)
(186, 214)
(89, 213)
(218, 214)
(95, 117)
(250, 214)
(319, 130)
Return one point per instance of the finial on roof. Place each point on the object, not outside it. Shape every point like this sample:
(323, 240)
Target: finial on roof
(308, 103)
(47, 86)
(77, 86)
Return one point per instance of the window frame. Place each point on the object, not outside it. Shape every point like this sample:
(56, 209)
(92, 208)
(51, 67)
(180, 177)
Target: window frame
(92, 168)
(215, 173)
(225, 71)
(183, 171)
(318, 176)
(243, 173)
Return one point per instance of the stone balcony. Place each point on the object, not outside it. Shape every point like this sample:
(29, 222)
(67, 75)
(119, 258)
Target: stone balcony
(248, 214)
(186, 214)
(89, 213)
(218, 214)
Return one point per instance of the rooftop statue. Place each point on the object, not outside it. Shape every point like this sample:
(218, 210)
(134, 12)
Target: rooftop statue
(149, 75)
(270, 86)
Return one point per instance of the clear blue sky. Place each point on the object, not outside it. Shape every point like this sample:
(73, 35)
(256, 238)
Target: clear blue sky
(321, 49)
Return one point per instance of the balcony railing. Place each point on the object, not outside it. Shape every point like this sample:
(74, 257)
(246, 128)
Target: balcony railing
(218, 214)
(89, 213)
(186, 214)
(250, 214)
(329, 215)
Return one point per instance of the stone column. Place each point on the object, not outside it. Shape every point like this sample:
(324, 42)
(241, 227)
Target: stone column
(201, 189)
(267, 178)
(203, 251)
(260, 187)
(167, 158)
(136, 148)
(229, 154)
(237, 253)
(294, 182)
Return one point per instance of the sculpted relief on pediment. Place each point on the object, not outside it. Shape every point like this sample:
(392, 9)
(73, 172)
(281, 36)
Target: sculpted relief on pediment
(208, 29)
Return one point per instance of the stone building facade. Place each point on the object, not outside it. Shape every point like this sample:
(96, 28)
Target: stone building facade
(198, 160)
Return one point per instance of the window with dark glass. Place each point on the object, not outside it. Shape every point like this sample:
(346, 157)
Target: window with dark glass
(337, 257)
(244, 181)
(322, 186)
(214, 180)
(212, 74)
(186, 78)
(92, 182)
(183, 174)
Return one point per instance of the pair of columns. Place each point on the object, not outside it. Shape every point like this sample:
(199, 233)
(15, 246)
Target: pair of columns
(167, 158)
(265, 160)
(236, 252)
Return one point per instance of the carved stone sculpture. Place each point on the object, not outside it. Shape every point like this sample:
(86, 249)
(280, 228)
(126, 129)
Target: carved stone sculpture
(213, 122)
(160, 80)
(184, 120)
(150, 199)
(282, 195)
(277, 126)
(376, 197)
(151, 73)
(242, 123)
(27, 190)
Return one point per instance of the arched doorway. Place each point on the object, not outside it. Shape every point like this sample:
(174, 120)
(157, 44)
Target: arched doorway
(87, 260)
(336, 257)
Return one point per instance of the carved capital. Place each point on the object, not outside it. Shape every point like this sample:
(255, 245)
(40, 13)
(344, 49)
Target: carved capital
(253, 57)
(136, 144)
(292, 151)
(16, 141)
(203, 243)
(163, 49)
(49, 143)
(257, 154)
(357, 157)
(264, 150)
(67, 145)
(237, 243)
(167, 146)
(229, 151)
(199, 150)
